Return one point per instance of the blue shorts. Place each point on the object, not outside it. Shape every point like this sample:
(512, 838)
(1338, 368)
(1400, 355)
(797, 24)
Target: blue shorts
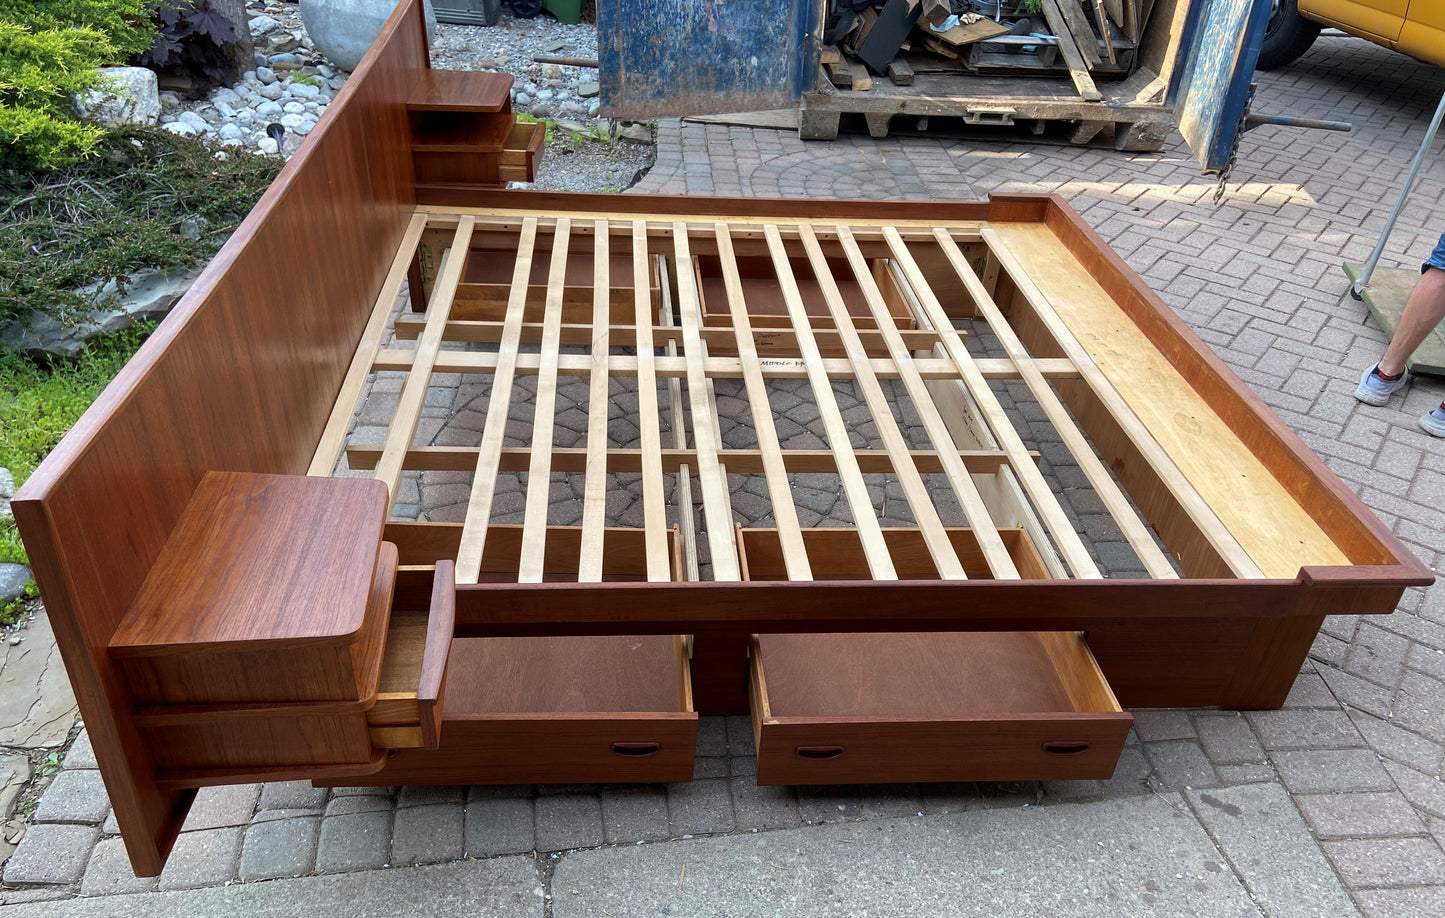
(1437, 257)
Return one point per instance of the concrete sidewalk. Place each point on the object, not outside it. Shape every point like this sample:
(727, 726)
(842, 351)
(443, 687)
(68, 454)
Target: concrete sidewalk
(1330, 807)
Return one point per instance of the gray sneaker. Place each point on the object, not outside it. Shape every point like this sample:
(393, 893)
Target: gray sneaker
(1433, 421)
(1376, 390)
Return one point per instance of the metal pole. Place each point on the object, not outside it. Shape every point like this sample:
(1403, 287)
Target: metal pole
(1364, 280)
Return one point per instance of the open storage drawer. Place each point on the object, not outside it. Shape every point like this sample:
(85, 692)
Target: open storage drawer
(545, 710)
(865, 708)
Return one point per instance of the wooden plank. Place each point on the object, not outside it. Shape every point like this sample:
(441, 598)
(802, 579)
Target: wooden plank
(915, 491)
(900, 72)
(333, 438)
(1062, 531)
(1078, 68)
(865, 518)
(742, 461)
(654, 509)
(539, 471)
(594, 491)
(686, 513)
(716, 505)
(1243, 511)
(1385, 297)
(1080, 31)
(985, 529)
(413, 394)
(795, 554)
(484, 478)
(622, 365)
(1140, 538)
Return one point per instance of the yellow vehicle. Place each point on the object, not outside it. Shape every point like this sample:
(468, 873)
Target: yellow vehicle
(1413, 27)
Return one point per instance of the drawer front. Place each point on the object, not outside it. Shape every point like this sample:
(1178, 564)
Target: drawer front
(537, 749)
(261, 742)
(1024, 747)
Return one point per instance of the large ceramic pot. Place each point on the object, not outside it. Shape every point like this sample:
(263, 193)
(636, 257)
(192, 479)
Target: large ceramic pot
(343, 29)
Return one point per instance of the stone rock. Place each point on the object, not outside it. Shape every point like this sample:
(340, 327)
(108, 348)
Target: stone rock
(553, 72)
(7, 491)
(169, 99)
(13, 578)
(128, 95)
(194, 120)
(545, 95)
(635, 132)
(229, 132)
(522, 99)
(343, 30)
(285, 57)
(575, 127)
(181, 129)
(269, 109)
(263, 25)
(594, 107)
(266, 75)
(14, 773)
(37, 706)
(149, 294)
(293, 121)
(272, 91)
(588, 90)
(281, 42)
(304, 91)
(268, 146)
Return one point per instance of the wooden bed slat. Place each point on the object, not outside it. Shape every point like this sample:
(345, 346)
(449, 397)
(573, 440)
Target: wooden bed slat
(716, 504)
(654, 511)
(775, 471)
(1194, 504)
(865, 519)
(333, 438)
(484, 479)
(1140, 538)
(1065, 538)
(999, 561)
(686, 515)
(413, 394)
(594, 493)
(539, 471)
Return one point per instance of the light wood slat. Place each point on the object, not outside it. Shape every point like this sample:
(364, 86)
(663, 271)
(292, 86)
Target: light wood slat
(333, 438)
(594, 491)
(654, 510)
(623, 365)
(1198, 510)
(716, 504)
(994, 550)
(484, 479)
(742, 461)
(775, 472)
(686, 517)
(539, 471)
(498, 218)
(865, 519)
(1067, 540)
(1138, 534)
(915, 490)
(413, 394)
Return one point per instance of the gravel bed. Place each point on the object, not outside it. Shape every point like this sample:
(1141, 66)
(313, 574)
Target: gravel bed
(273, 106)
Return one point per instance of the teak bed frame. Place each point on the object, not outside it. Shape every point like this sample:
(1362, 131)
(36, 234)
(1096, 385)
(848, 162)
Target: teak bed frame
(228, 612)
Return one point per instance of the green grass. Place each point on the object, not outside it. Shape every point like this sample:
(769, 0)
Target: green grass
(38, 404)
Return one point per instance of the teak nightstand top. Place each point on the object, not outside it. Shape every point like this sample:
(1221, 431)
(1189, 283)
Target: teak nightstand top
(260, 558)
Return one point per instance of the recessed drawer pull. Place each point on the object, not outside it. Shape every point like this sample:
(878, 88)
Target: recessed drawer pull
(1058, 748)
(819, 752)
(636, 750)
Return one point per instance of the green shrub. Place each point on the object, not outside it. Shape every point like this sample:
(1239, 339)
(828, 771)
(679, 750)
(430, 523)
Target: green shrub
(49, 50)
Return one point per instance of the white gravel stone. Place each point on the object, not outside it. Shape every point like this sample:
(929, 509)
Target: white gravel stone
(195, 121)
(292, 121)
(293, 108)
(272, 91)
(263, 25)
(180, 128)
(265, 75)
(229, 132)
(304, 90)
(268, 146)
(269, 109)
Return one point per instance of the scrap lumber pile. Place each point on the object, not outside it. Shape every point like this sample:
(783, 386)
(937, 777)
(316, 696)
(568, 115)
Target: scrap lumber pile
(1078, 39)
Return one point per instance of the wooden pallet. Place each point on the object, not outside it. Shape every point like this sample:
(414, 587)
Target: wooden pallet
(531, 652)
(1385, 298)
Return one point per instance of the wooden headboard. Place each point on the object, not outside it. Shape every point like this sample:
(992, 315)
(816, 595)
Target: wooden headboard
(240, 377)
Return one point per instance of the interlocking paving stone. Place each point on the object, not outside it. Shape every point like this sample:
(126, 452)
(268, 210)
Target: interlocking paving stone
(1304, 729)
(280, 848)
(427, 834)
(1359, 815)
(1180, 763)
(81, 754)
(426, 795)
(499, 825)
(74, 796)
(995, 862)
(1269, 846)
(1375, 862)
(354, 841)
(109, 872)
(1332, 771)
(227, 805)
(1227, 739)
(1402, 903)
(632, 814)
(292, 795)
(568, 821)
(206, 858)
(51, 853)
(700, 807)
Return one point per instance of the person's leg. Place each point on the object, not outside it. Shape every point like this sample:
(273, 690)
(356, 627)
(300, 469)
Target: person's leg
(1423, 311)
